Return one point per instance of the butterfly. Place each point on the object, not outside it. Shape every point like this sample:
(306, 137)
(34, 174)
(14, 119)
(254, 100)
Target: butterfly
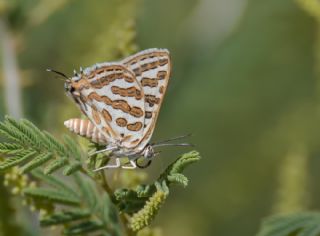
(122, 101)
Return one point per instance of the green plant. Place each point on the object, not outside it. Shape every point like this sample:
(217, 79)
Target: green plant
(80, 200)
(294, 224)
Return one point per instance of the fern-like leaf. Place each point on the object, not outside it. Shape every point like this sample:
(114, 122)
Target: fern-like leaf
(88, 192)
(36, 162)
(72, 147)
(144, 202)
(144, 217)
(83, 228)
(91, 211)
(64, 217)
(37, 133)
(54, 182)
(178, 178)
(70, 169)
(27, 137)
(51, 195)
(54, 144)
(131, 201)
(16, 160)
(10, 148)
(300, 224)
(20, 131)
(55, 165)
(173, 173)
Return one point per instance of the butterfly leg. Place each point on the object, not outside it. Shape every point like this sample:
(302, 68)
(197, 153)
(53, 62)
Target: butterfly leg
(131, 166)
(103, 150)
(116, 165)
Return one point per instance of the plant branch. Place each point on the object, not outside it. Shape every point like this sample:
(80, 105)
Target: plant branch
(125, 223)
(105, 184)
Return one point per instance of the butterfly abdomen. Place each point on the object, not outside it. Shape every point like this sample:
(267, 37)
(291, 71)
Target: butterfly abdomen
(86, 129)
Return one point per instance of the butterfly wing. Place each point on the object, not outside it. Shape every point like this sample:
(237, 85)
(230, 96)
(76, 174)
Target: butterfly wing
(114, 102)
(152, 69)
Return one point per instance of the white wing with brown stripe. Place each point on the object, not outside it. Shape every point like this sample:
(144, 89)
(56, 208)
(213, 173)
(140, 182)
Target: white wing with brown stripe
(114, 102)
(152, 68)
(122, 100)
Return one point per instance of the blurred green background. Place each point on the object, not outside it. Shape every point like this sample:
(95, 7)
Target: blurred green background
(245, 83)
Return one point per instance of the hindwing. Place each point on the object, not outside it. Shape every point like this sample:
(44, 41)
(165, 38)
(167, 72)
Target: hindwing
(152, 69)
(123, 99)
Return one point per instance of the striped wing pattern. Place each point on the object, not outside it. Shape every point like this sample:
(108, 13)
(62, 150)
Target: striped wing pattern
(123, 99)
(152, 69)
(115, 104)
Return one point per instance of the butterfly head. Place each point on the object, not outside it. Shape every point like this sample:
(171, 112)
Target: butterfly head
(73, 86)
(148, 152)
(69, 85)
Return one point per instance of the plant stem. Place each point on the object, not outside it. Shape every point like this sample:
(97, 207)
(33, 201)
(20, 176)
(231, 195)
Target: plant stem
(12, 90)
(105, 184)
(122, 216)
(125, 223)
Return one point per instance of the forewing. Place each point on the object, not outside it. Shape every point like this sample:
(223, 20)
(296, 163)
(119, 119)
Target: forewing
(115, 103)
(152, 69)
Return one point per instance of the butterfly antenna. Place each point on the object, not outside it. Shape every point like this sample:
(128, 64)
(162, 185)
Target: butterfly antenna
(174, 144)
(171, 139)
(58, 72)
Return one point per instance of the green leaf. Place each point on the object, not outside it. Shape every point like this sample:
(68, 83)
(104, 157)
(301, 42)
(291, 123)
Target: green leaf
(55, 165)
(83, 228)
(312, 230)
(64, 217)
(18, 159)
(145, 216)
(20, 131)
(11, 133)
(180, 164)
(131, 201)
(286, 225)
(36, 133)
(89, 193)
(107, 204)
(70, 169)
(54, 144)
(72, 147)
(109, 212)
(179, 179)
(54, 182)
(10, 148)
(51, 195)
(31, 134)
(36, 162)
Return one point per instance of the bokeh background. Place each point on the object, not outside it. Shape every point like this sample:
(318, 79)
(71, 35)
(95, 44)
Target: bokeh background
(245, 83)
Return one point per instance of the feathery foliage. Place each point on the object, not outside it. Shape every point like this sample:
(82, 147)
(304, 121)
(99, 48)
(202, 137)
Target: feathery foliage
(38, 148)
(144, 201)
(80, 200)
(296, 224)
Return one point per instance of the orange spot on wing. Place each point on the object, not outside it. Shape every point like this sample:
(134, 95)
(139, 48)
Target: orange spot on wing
(106, 115)
(122, 122)
(96, 116)
(136, 112)
(134, 126)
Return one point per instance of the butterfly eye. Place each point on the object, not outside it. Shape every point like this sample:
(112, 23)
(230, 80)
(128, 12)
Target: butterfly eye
(71, 89)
